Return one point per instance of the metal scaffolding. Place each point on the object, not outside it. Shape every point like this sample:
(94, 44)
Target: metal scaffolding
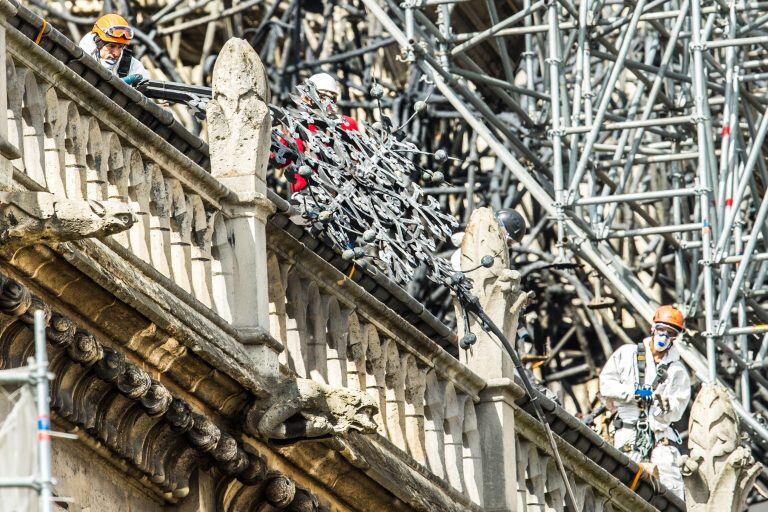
(36, 374)
(647, 135)
(630, 134)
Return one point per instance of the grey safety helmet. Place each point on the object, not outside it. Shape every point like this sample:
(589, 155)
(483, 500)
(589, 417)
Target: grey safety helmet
(513, 225)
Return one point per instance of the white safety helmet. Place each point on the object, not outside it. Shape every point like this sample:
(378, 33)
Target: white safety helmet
(325, 83)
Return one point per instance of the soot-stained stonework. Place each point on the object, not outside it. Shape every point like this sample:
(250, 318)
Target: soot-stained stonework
(134, 415)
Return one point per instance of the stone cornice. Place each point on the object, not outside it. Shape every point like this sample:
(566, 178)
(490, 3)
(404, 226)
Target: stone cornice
(123, 409)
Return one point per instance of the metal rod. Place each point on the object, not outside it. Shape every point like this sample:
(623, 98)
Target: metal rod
(711, 45)
(485, 34)
(660, 230)
(665, 121)
(43, 414)
(741, 270)
(603, 106)
(638, 196)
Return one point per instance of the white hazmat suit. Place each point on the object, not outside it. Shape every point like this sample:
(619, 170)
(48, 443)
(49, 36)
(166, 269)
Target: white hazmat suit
(618, 382)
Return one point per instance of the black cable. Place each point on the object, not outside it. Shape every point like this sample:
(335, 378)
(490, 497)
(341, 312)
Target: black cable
(472, 305)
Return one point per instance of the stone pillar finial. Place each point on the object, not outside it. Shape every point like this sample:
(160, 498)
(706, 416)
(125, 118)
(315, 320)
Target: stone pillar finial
(239, 138)
(498, 289)
(239, 122)
(719, 471)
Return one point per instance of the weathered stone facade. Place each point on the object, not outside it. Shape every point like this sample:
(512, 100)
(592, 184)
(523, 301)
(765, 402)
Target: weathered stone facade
(214, 356)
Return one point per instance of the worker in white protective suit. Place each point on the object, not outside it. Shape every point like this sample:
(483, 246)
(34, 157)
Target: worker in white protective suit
(108, 43)
(649, 388)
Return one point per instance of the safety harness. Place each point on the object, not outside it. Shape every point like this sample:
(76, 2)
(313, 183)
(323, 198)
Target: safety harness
(125, 63)
(644, 438)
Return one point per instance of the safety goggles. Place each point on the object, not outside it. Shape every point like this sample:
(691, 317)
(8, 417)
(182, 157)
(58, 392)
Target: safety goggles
(667, 330)
(119, 32)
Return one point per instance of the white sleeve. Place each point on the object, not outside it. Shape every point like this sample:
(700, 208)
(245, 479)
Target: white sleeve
(88, 44)
(137, 68)
(677, 390)
(611, 385)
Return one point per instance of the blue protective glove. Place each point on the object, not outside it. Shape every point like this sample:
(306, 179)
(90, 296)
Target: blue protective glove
(643, 394)
(132, 79)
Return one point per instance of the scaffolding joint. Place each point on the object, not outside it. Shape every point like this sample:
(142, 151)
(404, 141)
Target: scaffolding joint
(555, 132)
(412, 4)
(700, 118)
(407, 55)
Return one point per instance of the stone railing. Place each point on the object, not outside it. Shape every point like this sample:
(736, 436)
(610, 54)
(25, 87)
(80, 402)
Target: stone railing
(69, 146)
(338, 335)
(65, 136)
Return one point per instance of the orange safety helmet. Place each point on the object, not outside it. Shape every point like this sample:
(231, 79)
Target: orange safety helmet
(112, 28)
(669, 315)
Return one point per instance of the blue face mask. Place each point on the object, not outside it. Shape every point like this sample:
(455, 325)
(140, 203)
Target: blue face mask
(661, 341)
(108, 63)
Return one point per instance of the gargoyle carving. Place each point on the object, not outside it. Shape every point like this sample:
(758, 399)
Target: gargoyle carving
(719, 472)
(33, 217)
(303, 408)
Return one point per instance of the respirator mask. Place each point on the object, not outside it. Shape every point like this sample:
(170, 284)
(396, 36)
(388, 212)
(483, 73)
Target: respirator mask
(108, 63)
(663, 335)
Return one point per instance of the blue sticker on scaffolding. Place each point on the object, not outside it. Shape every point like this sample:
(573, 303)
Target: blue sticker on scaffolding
(43, 424)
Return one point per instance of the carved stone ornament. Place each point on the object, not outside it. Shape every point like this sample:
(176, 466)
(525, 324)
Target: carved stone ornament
(167, 443)
(302, 408)
(60, 331)
(719, 472)
(32, 217)
(497, 287)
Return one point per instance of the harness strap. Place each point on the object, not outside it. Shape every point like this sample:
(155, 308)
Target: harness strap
(661, 375)
(636, 480)
(125, 63)
(640, 359)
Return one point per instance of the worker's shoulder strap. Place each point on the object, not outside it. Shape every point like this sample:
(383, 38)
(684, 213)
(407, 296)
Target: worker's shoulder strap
(640, 359)
(125, 63)
(661, 374)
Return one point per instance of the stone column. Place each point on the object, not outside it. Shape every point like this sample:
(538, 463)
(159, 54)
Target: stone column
(499, 293)
(8, 151)
(719, 472)
(239, 125)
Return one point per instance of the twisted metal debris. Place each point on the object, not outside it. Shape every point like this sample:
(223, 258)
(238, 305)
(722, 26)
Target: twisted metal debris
(360, 191)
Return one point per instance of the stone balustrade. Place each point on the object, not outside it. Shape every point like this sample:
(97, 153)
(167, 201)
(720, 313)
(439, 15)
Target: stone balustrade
(425, 409)
(67, 145)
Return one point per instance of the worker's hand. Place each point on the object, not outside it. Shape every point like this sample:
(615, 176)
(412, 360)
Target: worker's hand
(133, 80)
(643, 394)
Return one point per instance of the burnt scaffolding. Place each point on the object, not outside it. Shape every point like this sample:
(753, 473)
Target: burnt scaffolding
(630, 134)
(657, 109)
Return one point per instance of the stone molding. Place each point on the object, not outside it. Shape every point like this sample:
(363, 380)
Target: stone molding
(134, 415)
